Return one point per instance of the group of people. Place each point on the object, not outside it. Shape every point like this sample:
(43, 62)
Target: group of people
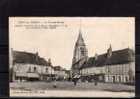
(75, 81)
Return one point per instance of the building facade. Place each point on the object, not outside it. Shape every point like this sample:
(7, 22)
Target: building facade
(27, 66)
(118, 68)
(61, 73)
(113, 66)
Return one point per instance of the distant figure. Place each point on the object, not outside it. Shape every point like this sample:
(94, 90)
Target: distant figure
(75, 81)
(96, 83)
(54, 85)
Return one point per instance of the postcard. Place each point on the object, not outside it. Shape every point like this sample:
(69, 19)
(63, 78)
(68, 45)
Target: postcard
(72, 56)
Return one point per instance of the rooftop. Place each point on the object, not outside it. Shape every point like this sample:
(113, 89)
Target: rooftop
(30, 58)
(118, 57)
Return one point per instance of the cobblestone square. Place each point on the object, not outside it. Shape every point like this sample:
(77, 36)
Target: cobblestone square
(69, 88)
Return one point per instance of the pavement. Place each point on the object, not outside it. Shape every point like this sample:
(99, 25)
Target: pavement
(68, 93)
(67, 89)
(64, 85)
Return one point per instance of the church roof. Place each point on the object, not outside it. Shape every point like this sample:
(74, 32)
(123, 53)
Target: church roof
(29, 58)
(118, 57)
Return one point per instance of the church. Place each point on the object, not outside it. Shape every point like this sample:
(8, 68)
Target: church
(114, 66)
(80, 55)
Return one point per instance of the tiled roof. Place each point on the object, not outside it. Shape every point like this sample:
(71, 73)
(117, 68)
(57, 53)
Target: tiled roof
(118, 57)
(26, 57)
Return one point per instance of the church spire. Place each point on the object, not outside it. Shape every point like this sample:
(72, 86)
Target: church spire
(80, 40)
(80, 27)
(80, 50)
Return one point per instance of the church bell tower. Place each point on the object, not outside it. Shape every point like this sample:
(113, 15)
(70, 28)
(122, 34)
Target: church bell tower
(80, 54)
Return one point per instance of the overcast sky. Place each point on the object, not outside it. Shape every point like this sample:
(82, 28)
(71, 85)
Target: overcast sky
(58, 43)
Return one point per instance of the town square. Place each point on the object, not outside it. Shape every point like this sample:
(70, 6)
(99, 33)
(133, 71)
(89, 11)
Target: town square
(78, 62)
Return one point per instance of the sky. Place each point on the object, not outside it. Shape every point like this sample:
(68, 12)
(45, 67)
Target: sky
(55, 37)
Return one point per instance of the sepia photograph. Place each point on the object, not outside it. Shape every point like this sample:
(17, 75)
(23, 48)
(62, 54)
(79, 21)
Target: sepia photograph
(72, 57)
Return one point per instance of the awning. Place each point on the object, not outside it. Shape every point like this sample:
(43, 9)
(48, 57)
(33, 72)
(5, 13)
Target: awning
(77, 76)
(32, 75)
(24, 74)
(21, 74)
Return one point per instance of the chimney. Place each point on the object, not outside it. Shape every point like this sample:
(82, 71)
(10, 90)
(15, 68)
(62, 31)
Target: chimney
(36, 57)
(49, 62)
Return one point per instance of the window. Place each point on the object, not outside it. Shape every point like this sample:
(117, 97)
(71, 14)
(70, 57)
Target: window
(82, 51)
(29, 70)
(35, 69)
(46, 69)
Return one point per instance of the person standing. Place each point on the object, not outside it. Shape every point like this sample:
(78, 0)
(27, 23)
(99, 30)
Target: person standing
(54, 85)
(96, 81)
(75, 81)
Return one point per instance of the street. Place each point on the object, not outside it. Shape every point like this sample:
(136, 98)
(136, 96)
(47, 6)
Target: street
(65, 88)
(65, 85)
(68, 93)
